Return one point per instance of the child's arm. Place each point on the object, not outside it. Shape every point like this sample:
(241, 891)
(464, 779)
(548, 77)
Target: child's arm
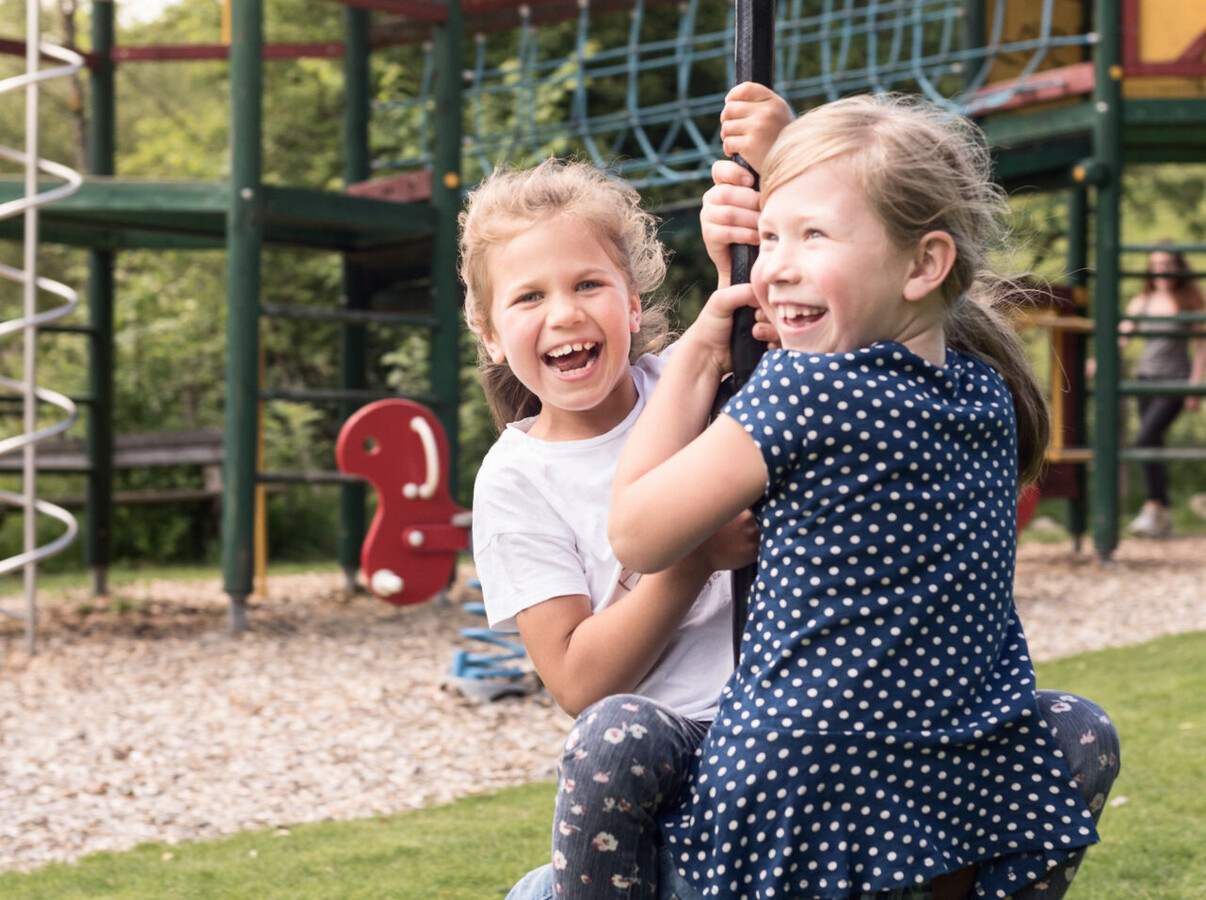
(674, 485)
(752, 118)
(583, 657)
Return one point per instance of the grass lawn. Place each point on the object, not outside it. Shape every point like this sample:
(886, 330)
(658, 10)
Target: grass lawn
(476, 848)
(1153, 845)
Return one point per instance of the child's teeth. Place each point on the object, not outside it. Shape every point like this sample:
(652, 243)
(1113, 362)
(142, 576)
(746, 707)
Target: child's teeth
(570, 348)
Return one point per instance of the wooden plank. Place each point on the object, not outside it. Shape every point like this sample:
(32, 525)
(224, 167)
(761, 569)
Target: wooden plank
(131, 451)
(1052, 84)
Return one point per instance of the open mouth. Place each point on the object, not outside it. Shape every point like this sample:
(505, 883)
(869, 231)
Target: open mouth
(572, 357)
(794, 316)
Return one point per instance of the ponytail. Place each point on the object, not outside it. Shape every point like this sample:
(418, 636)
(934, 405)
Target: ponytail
(978, 329)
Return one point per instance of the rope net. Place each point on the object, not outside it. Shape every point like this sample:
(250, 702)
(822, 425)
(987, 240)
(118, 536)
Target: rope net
(640, 91)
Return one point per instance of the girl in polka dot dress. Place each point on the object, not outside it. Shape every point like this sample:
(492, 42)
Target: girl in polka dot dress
(881, 732)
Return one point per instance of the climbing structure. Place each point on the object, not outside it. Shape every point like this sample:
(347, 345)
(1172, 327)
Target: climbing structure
(1068, 91)
(26, 389)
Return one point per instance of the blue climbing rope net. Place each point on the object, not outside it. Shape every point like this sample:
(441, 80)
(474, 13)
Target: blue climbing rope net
(641, 93)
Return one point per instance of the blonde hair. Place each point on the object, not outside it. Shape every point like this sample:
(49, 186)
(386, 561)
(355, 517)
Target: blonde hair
(926, 169)
(509, 202)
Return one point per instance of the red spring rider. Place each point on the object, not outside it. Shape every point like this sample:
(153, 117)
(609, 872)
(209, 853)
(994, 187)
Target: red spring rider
(400, 448)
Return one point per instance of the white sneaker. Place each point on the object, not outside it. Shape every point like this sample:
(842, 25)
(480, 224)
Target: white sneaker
(1164, 526)
(1145, 524)
(1153, 522)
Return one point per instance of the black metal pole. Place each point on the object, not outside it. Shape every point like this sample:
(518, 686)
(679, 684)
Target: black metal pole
(754, 60)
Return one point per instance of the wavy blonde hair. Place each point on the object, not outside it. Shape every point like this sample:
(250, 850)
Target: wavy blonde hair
(509, 202)
(926, 169)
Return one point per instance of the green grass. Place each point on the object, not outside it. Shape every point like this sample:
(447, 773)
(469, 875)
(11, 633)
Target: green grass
(476, 848)
(51, 583)
(1152, 845)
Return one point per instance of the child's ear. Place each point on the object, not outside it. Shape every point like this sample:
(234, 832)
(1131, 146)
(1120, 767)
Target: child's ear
(493, 346)
(634, 312)
(932, 262)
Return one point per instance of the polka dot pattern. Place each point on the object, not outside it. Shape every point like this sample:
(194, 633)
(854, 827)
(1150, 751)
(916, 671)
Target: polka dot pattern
(881, 728)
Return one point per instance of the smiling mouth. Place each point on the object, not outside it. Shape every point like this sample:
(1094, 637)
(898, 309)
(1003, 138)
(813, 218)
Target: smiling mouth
(795, 316)
(572, 357)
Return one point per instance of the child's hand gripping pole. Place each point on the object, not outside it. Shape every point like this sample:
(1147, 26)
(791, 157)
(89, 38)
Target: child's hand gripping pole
(754, 60)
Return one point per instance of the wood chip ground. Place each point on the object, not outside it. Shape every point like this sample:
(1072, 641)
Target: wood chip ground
(145, 719)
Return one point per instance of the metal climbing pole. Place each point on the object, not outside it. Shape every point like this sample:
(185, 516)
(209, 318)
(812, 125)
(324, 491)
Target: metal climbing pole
(754, 60)
(32, 319)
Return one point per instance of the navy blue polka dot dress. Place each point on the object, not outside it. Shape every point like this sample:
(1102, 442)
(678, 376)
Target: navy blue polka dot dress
(881, 728)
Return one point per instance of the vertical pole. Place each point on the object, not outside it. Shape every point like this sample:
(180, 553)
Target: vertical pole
(244, 238)
(446, 198)
(260, 519)
(101, 143)
(33, 33)
(353, 336)
(1078, 269)
(754, 60)
(973, 36)
(1107, 142)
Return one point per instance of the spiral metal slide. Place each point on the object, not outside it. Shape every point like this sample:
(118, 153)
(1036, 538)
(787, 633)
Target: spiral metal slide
(32, 319)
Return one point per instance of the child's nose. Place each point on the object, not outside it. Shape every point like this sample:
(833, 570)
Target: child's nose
(564, 308)
(772, 268)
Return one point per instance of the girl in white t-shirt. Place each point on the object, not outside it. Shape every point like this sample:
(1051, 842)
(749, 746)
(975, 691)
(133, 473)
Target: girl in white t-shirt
(556, 261)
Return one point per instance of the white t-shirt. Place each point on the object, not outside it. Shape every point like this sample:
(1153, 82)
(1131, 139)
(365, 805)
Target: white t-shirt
(540, 531)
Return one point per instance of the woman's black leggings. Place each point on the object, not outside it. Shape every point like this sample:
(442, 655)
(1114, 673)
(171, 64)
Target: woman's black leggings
(1156, 414)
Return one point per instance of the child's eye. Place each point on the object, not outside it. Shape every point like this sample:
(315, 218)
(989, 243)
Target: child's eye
(769, 237)
(810, 233)
(589, 285)
(529, 297)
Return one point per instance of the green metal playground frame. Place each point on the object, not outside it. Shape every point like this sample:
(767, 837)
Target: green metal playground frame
(1081, 147)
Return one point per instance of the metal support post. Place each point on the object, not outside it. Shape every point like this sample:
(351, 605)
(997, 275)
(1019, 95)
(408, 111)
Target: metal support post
(353, 335)
(244, 237)
(446, 198)
(101, 143)
(1078, 276)
(1107, 143)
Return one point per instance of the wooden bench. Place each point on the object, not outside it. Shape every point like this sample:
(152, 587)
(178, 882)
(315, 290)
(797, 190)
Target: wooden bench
(137, 451)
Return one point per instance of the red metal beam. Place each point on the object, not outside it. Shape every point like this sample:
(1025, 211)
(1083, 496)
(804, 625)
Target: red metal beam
(13, 47)
(487, 16)
(416, 10)
(169, 52)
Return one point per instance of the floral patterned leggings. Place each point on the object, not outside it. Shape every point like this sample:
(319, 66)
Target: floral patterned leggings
(627, 758)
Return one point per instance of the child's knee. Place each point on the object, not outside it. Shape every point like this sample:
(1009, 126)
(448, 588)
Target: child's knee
(615, 721)
(1089, 741)
(625, 745)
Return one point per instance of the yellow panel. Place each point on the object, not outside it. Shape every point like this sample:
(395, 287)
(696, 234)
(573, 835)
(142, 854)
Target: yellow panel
(1021, 23)
(1168, 27)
